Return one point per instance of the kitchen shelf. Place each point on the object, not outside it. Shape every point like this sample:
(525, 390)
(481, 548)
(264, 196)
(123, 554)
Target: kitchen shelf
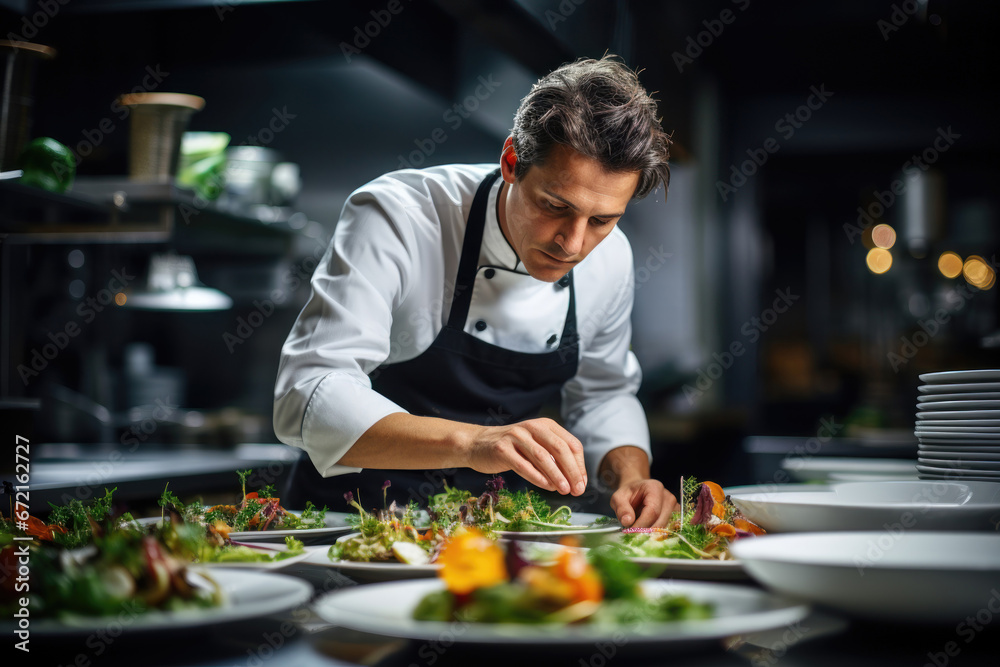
(115, 6)
(23, 202)
(115, 210)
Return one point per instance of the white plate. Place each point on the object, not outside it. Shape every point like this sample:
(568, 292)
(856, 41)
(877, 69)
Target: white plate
(774, 488)
(924, 577)
(973, 453)
(683, 568)
(956, 388)
(959, 423)
(948, 430)
(389, 571)
(951, 477)
(387, 610)
(262, 566)
(336, 522)
(686, 568)
(960, 475)
(836, 477)
(922, 505)
(966, 396)
(247, 595)
(959, 414)
(944, 377)
(959, 445)
(392, 571)
(820, 468)
(958, 405)
(580, 525)
(973, 466)
(958, 435)
(963, 439)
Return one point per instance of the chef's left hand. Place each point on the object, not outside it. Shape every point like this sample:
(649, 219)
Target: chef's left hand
(643, 503)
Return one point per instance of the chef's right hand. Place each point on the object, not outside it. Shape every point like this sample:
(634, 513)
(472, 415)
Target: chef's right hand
(539, 450)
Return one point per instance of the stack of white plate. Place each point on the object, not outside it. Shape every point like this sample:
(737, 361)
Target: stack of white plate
(958, 425)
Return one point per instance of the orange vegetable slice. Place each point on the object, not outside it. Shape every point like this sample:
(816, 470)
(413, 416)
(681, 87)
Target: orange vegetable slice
(546, 585)
(747, 525)
(724, 529)
(719, 496)
(469, 561)
(572, 567)
(222, 528)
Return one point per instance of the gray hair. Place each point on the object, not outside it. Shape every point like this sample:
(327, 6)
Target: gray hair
(599, 109)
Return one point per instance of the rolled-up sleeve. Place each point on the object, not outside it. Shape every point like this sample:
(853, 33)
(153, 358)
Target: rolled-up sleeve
(324, 400)
(599, 404)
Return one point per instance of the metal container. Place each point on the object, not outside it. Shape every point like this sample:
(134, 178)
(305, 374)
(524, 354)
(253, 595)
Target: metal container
(18, 60)
(158, 123)
(248, 175)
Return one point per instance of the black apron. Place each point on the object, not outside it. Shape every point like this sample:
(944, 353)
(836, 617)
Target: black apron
(459, 377)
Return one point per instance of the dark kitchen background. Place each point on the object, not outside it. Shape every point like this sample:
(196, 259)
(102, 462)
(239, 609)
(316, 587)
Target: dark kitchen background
(827, 157)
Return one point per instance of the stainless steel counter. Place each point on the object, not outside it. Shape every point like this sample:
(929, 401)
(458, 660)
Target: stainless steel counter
(62, 472)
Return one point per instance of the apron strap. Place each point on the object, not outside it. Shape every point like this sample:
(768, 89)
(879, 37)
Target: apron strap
(469, 263)
(569, 339)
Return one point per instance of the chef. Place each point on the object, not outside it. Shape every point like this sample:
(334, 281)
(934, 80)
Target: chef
(456, 302)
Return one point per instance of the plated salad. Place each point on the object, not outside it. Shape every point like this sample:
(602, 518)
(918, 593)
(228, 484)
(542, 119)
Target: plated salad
(408, 535)
(499, 510)
(208, 544)
(86, 560)
(110, 568)
(256, 511)
(388, 535)
(74, 524)
(703, 529)
(483, 585)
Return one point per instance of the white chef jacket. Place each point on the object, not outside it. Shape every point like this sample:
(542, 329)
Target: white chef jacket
(383, 291)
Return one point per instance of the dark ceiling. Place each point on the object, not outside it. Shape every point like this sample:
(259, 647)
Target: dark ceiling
(894, 73)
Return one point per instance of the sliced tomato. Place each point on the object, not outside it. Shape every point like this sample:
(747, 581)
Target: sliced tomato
(37, 528)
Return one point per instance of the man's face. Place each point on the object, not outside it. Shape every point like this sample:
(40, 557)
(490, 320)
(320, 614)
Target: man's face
(560, 210)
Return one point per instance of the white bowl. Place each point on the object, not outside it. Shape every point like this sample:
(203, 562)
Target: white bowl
(929, 577)
(922, 505)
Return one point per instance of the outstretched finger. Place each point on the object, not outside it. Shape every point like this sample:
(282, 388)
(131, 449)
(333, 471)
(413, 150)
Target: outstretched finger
(567, 453)
(623, 509)
(670, 506)
(648, 517)
(543, 461)
(524, 467)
